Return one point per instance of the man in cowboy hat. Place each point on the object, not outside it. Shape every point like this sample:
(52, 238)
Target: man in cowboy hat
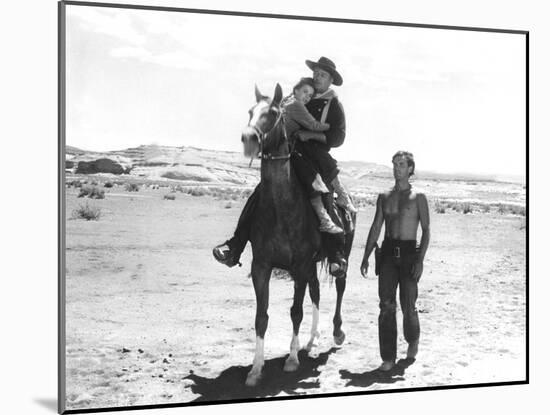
(324, 106)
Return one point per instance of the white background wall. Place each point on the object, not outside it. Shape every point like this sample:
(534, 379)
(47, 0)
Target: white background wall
(28, 271)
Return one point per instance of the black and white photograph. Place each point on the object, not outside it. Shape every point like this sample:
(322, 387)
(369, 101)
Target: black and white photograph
(266, 206)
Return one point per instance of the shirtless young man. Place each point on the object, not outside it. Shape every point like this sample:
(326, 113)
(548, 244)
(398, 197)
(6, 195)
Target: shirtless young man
(401, 210)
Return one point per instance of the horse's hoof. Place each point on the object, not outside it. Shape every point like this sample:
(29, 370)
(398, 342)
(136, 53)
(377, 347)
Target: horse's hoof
(291, 365)
(253, 379)
(312, 349)
(339, 338)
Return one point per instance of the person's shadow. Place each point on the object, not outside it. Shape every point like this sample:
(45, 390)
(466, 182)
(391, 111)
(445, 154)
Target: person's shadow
(230, 384)
(366, 379)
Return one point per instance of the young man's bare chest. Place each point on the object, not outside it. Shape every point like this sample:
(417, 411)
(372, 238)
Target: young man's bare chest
(400, 205)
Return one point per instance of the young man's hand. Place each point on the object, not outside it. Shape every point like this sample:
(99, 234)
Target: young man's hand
(417, 269)
(364, 267)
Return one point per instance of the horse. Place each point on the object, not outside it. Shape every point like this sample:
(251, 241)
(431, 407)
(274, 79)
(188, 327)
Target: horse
(284, 231)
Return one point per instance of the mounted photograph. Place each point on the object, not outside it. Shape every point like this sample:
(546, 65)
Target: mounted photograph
(257, 207)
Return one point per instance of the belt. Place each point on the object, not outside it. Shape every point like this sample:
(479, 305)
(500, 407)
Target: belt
(396, 248)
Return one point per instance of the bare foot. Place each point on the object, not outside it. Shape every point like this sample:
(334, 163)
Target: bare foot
(412, 350)
(387, 365)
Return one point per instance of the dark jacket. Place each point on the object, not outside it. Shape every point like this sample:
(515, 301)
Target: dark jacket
(335, 117)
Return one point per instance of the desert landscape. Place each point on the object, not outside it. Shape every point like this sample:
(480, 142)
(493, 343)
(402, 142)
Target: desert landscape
(152, 318)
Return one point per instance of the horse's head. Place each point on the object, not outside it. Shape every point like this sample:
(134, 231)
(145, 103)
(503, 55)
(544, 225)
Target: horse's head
(265, 117)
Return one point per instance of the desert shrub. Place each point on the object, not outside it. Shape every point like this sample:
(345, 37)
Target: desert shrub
(517, 210)
(467, 208)
(108, 185)
(456, 206)
(94, 183)
(440, 207)
(501, 209)
(87, 212)
(131, 187)
(197, 191)
(93, 192)
(228, 205)
(179, 188)
(75, 183)
(485, 208)
(170, 196)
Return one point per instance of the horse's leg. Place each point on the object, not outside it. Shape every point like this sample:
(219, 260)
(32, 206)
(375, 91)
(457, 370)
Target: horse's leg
(296, 313)
(261, 274)
(338, 333)
(315, 296)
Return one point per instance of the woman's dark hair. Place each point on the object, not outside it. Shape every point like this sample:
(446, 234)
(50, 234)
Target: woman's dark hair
(302, 82)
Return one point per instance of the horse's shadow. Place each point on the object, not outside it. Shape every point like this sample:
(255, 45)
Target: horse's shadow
(367, 379)
(230, 384)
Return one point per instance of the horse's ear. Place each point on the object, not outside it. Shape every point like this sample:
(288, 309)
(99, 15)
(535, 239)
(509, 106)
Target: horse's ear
(259, 95)
(278, 95)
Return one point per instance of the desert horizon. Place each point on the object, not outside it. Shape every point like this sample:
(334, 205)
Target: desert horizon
(502, 177)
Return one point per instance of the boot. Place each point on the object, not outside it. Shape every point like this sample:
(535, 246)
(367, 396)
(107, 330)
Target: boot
(339, 268)
(327, 225)
(343, 198)
(227, 254)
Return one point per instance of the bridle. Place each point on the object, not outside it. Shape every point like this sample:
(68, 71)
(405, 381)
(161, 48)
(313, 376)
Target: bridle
(262, 135)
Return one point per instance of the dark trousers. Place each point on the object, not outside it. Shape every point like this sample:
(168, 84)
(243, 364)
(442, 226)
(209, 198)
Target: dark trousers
(242, 232)
(305, 172)
(319, 157)
(397, 271)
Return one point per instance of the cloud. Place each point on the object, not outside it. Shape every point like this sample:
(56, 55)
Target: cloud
(177, 59)
(118, 25)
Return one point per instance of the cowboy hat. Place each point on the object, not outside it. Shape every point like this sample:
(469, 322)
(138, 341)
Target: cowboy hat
(327, 65)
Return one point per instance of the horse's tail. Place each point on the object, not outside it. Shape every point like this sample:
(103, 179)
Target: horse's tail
(324, 270)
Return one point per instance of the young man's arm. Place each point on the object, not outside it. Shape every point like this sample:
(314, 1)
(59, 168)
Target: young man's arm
(424, 214)
(374, 233)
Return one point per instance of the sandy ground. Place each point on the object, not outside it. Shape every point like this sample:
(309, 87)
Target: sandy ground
(152, 318)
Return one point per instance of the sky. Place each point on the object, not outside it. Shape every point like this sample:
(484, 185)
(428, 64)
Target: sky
(455, 99)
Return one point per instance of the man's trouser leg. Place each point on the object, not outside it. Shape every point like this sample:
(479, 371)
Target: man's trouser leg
(408, 293)
(242, 233)
(307, 175)
(321, 160)
(387, 324)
